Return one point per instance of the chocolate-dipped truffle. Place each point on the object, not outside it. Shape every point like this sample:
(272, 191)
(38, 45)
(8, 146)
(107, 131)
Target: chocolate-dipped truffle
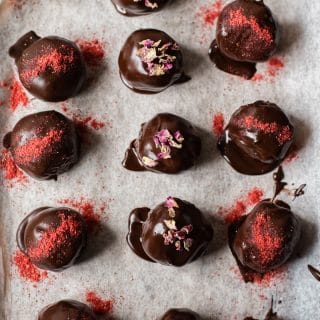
(52, 238)
(150, 61)
(246, 33)
(44, 144)
(257, 138)
(138, 7)
(50, 68)
(174, 233)
(67, 310)
(180, 314)
(166, 143)
(265, 239)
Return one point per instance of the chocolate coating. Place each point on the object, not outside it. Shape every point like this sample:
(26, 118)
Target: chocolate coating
(315, 272)
(138, 7)
(44, 144)
(265, 238)
(143, 74)
(149, 230)
(257, 138)
(50, 68)
(52, 238)
(246, 33)
(181, 158)
(67, 310)
(180, 314)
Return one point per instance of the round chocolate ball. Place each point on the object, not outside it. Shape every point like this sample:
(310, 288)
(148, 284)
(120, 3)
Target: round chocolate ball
(247, 31)
(174, 233)
(44, 144)
(166, 143)
(257, 138)
(138, 7)
(266, 238)
(67, 310)
(50, 68)
(180, 314)
(150, 61)
(52, 238)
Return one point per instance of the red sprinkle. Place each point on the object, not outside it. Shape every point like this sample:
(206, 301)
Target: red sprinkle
(98, 304)
(237, 18)
(274, 65)
(90, 213)
(241, 205)
(210, 13)
(36, 147)
(283, 133)
(26, 269)
(88, 122)
(267, 242)
(18, 96)
(56, 238)
(55, 60)
(93, 51)
(218, 124)
(10, 171)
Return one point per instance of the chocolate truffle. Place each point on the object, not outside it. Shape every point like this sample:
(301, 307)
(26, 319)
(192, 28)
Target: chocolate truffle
(166, 143)
(174, 233)
(50, 68)
(44, 144)
(246, 33)
(52, 238)
(138, 7)
(67, 310)
(265, 238)
(150, 61)
(180, 314)
(257, 138)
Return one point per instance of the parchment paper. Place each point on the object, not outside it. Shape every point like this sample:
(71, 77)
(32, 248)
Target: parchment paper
(145, 290)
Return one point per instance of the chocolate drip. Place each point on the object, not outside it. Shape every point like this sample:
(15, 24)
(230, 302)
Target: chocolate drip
(149, 229)
(180, 159)
(67, 310)
(239, 68)
(315, 272)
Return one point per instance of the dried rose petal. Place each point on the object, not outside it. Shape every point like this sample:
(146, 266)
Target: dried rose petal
(178, 245)
(171, 203)
(149, 162)
(178, 136)
(170, 224)
(187, 244)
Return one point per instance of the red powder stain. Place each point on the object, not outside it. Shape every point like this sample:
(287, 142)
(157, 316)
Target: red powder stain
(55, 239)
(274, 66)
(18, 96)
(36, 147)
(26, 269)
(98, 304)
(266, 280)
(240, 207)
(55, 60)
(17, 4)
(282, 133)
(218, 124)
(291, 156)
(89, 210)
(10, 171)
(209, 13)
(93, 51)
